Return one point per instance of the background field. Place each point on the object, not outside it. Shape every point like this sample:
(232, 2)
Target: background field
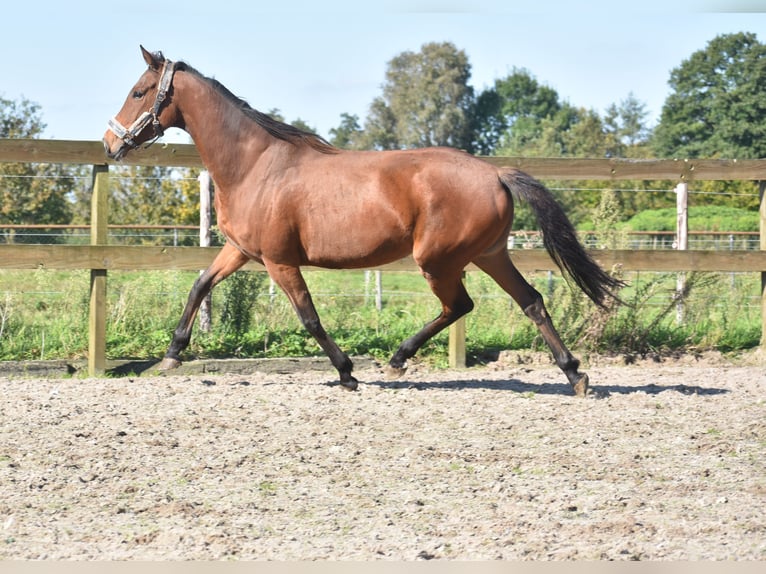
(43, 315)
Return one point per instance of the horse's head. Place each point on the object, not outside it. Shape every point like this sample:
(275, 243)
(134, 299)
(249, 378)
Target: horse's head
(147, 111)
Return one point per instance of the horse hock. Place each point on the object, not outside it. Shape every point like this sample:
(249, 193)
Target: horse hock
(564, 359)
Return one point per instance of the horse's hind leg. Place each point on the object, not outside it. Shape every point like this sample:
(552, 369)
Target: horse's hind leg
(228, 260)
(448, 287)
(291, 281)
(499, 266)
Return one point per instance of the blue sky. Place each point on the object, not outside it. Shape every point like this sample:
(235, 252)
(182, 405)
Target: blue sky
(316, 60)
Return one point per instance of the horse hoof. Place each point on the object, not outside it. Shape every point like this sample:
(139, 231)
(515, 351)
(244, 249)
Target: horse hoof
(350, 385)
(168, 364)
(581, 386)
(395, 372)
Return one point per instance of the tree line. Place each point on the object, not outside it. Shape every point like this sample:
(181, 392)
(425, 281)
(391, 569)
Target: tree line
(716, 109)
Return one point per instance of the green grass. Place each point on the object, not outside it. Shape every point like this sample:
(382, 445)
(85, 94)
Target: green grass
(701, 218)
(43, 315)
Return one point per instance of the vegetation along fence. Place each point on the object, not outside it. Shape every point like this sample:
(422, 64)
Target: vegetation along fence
(100, 257)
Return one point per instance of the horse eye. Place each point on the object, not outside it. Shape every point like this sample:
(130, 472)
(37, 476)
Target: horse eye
(137, 95)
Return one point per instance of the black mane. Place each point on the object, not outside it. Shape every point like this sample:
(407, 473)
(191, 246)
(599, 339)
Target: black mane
(279, 130)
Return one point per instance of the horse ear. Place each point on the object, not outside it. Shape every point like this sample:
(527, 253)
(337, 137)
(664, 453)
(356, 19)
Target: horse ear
(151, 60)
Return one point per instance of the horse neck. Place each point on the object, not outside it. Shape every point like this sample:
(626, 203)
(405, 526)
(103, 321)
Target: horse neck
(227, 142)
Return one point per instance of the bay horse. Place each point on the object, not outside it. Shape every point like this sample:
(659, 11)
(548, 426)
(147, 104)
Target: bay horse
(286, 198)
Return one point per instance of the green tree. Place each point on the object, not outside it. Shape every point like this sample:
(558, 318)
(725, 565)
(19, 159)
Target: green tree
(348, 135)
(717, 105)
(523, 96)
(147, 195)
(530, 119)
(521, 116)
(487, 123)
(303, 125)
(426, 101)
(20, 119)
(380, 127)
(29, 192)
(188, 190)
(626, 126)
(276, 114)
(567, 132)
(509, 115)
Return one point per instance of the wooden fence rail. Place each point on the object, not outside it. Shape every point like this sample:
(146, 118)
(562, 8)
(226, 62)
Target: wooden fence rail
(185, 155)
(100, 258)
(149, 258)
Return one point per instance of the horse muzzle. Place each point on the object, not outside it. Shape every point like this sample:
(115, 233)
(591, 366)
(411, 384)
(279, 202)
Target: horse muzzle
(115, 148)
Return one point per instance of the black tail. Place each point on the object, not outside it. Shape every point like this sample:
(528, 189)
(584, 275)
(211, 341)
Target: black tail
(560, 238)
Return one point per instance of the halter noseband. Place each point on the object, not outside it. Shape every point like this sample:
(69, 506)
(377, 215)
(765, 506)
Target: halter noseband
(128, 135)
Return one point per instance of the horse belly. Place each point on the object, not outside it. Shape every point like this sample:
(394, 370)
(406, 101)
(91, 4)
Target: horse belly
(354, 244)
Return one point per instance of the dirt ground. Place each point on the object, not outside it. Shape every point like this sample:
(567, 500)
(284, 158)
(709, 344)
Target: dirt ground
(665, 460)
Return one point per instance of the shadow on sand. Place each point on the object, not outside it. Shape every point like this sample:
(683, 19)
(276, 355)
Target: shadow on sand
(149, 368)
(521, 387)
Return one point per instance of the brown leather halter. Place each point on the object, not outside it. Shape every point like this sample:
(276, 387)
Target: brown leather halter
(129, 135)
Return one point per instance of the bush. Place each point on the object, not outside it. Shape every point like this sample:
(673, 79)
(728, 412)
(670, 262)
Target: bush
(703, 218)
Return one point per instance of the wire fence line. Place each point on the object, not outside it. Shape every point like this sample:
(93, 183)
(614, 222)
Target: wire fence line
(188, 235)
(380, 295)
(165, 235)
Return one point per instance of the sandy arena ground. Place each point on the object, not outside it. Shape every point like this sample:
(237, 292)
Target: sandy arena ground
(666, 460)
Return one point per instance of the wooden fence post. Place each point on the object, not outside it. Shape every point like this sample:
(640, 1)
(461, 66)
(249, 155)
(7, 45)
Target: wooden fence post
(204, 241)
(379, 290)
(98, 236)
(456, 344)
(682, 242)
(762, 190)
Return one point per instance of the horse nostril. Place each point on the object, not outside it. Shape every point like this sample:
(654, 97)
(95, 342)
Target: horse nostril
(108, 150)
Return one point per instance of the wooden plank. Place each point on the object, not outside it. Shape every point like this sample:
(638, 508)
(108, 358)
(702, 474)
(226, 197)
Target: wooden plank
(128, 257)
(110, 257)
(148, 258)
(186, 155)
(671, 261)
(635, 169)
(92, 153)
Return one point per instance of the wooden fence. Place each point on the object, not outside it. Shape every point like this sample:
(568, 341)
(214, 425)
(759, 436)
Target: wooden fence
(101, 258)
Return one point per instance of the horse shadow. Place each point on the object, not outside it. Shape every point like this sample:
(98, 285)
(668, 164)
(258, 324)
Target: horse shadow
(133, 368)
(511, 385)
(525, 388)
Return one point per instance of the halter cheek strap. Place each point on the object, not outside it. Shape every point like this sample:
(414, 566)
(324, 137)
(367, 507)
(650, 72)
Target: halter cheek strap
(129, 135)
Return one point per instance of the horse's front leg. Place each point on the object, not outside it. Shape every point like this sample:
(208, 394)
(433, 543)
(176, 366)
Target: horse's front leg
(228, 260)
(291, 281)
